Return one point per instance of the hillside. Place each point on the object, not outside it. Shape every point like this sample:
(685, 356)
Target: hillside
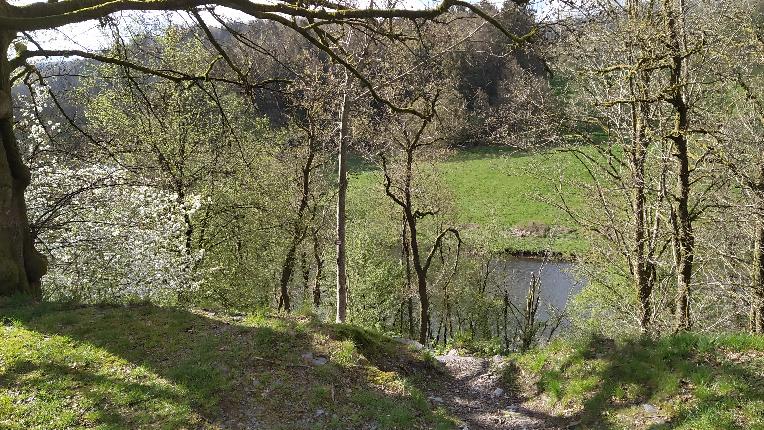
(501, 197)
(67, 367)
(690, 381)
(76, 367)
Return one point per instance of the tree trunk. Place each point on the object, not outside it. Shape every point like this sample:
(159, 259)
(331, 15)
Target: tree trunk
(757, 323)
(757, 305)
(21, 266)
(299, 230)
(305, 274)
(684, 238)
(640, 264)
(416, 258)
(286, 274)
(342, 186)
(421, 280)
(406, 251)
(319, 261)
(410, 309)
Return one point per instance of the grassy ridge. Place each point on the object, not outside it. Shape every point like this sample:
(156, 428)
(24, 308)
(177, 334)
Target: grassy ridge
(688, 381)
(148, 367)
(498, 193)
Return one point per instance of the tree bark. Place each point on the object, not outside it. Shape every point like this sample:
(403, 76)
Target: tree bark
(319, 261)
(21, 266)
(299, 230)
(757, 323)
(286, 274)
(639, 261)
(757, 305)
(419, 269)
(684, 238)
(342, 187)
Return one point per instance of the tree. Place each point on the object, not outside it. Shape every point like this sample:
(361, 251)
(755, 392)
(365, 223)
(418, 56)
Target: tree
(342, 189)
(739, 147)
(614, 104)
(410, 140)
(83, 213)
(648, 111)
(311, 111)
(21, 266)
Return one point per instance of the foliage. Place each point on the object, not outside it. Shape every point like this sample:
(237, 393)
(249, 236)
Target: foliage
(107, 238)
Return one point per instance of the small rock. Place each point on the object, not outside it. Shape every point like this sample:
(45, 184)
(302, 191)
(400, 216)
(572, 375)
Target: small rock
(453, 352)
(410, 342)
(497, 392)
(316, 360)
(650, 409)
(320, 412)
(436, 399)
(510, 410)
(320, 361)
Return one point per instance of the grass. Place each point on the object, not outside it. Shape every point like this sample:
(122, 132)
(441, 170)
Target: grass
(688, 381)
(497, 192)
(77, 367)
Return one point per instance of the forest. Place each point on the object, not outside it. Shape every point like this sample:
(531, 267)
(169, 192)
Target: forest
(320, 214)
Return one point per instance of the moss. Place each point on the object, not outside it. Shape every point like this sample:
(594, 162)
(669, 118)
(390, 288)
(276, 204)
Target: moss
(368, 341)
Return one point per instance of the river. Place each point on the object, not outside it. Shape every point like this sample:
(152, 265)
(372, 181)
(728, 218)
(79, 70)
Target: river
(557, 281)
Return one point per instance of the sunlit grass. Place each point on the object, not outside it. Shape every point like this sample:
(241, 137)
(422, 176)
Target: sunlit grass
(72, 367)
(693, 381)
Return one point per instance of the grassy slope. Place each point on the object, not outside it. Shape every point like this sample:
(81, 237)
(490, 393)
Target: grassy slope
(694, 381)
(148, 367)
(496, 190)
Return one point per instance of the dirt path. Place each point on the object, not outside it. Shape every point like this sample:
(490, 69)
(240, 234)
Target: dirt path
(473, 391)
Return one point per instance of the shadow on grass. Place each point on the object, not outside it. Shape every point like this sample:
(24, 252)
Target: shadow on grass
(685, 381)
(144, 366)
(465, 395)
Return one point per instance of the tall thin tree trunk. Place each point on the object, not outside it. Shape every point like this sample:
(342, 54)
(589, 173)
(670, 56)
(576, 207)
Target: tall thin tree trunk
(21, 266)
(757, 306)
(299, 229)
(410, 309)
(305, 274)
(286, 274)
(406, 251)
(421, 278)
(684, 238)
(757, 323)
(319, 262)
(639, 260)
(640, 112)
(342, 186)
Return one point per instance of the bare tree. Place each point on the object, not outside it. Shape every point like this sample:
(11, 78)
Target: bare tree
(409, 139)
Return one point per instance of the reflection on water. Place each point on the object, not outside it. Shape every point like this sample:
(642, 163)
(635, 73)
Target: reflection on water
(557, 281)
